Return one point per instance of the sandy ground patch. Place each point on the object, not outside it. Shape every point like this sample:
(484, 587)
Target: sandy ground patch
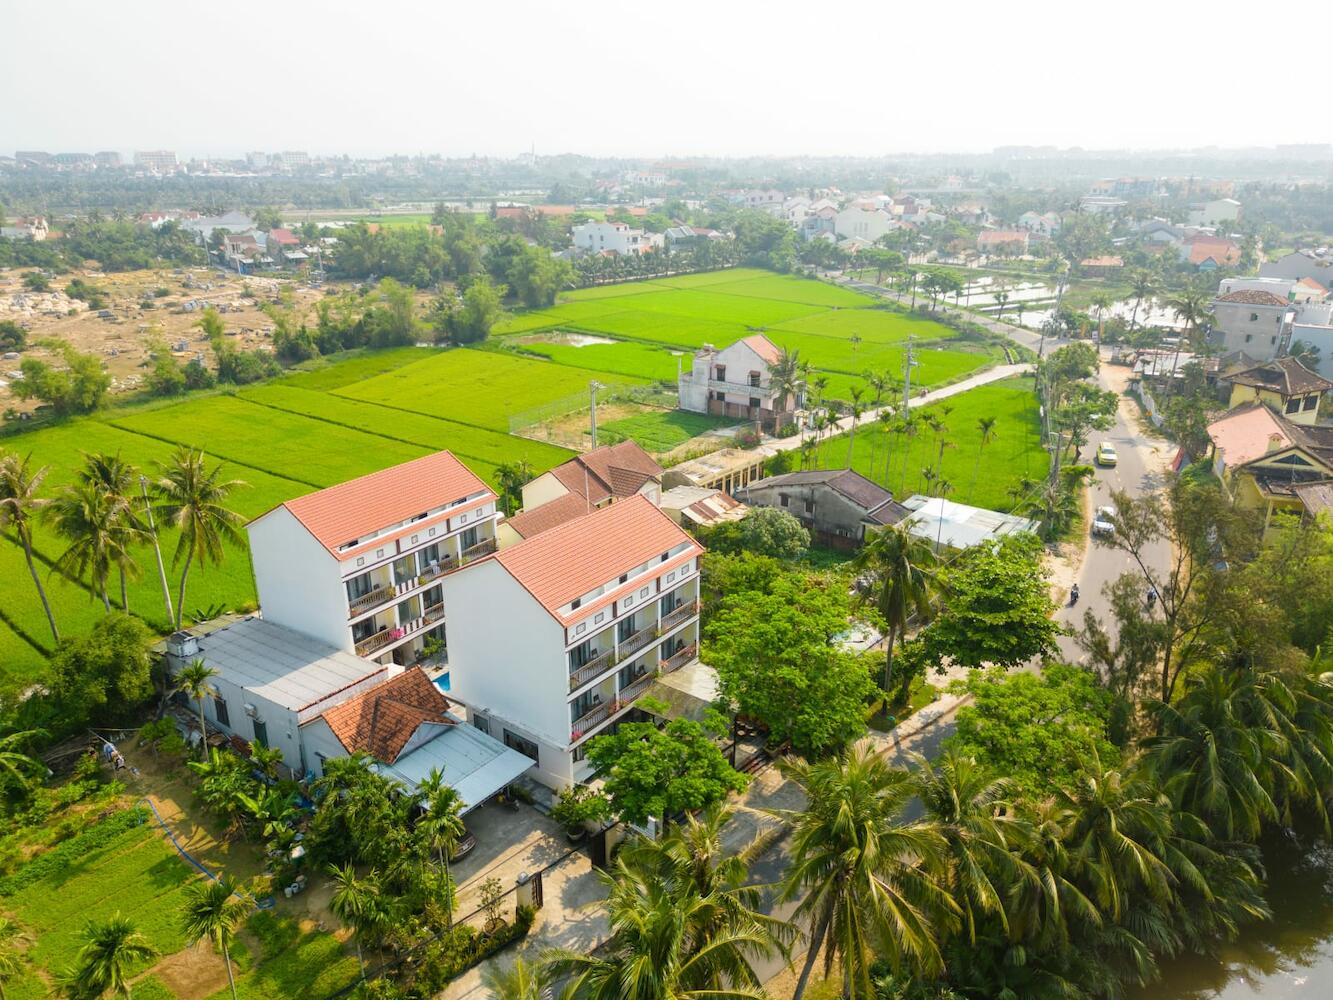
(193, 973)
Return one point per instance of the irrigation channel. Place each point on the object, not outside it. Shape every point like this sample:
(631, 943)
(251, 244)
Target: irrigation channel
(1289, 956)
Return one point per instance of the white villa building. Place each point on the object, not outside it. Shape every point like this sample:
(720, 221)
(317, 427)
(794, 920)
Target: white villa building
(612, 237)
(554, 639)
(359, 564)
(735, 382)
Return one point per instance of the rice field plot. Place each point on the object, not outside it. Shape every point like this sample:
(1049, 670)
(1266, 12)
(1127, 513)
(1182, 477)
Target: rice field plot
(980, 475)
(355, 366)
(482, 388)
(309, 451)
(665, 328)
(566, 314)
(20, 662)
(137, 874)
(621, 357)
(702, 279)
(786, 288)
(617, 290)
(470, 444)
(660, 430)
(703, 303)
(833, 355)
(878, 326)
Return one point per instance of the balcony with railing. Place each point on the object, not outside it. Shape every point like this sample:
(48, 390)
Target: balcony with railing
(631, 644)
(371, 645)
(678, 660)
(682, 614)
(579, 676)
(358, 606)
(385, 637)
(608, 709)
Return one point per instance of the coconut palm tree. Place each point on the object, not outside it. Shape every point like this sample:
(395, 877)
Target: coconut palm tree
(213, 909)
(11, 957)
(520, 981)
(900, 567)
(684, 923)
(1044, 900)
(1001, 300)
(111, 949)
(944, 487)
(1101, 302)
(909, 432)
(18, 765)
(87, 518)
(885, 418)
(1191, 308)
(1142, 287)
(195, 681)
(785, 377)
(358, 903)
(856, 392)
(20, 507)
(116, 478)
(986, 425)
(870, 884)
(441, 828)
(970, 808)
(191, 499)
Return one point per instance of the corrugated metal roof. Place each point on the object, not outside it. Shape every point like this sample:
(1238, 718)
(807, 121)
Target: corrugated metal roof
(284, 666)
(475, 764)
(962, 526)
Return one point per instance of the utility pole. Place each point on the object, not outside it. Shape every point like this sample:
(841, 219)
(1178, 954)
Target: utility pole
(593, 386)
(907, 375)
(157, 548)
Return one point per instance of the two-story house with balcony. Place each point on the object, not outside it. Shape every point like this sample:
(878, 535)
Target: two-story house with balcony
(359, 564)
(554, 640)
(735, 382)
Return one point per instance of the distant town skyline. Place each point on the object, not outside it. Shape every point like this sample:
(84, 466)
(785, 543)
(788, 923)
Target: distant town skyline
(603, 79)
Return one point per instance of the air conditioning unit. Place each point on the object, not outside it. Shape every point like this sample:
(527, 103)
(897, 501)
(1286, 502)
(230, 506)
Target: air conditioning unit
(251, 711)
(182, 644)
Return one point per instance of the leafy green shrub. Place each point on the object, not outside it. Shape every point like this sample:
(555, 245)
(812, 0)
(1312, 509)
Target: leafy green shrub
(58, 859)
(463, 947)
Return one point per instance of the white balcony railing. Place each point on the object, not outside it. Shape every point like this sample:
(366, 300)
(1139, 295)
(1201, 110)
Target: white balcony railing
(372, 599)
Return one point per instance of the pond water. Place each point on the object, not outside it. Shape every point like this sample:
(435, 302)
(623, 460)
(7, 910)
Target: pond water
(569, 339)
(1289, 956)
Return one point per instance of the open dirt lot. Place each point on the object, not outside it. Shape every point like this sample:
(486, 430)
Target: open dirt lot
(144, 306)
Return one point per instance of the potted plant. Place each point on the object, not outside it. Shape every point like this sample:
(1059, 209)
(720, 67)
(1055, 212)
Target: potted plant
(578, 806)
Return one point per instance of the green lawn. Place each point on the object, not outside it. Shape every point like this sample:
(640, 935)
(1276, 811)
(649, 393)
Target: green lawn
(482, 388)
(661, 430)
(1014, 453)
(18, 658)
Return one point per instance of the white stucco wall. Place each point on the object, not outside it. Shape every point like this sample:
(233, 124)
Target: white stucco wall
(298, 580)
(543, 489)
(507, 662)
(280, 721)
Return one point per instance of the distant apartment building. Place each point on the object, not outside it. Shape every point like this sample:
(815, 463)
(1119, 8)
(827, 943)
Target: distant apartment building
(736, 382)
(107, 159)
(32, 157)
(1315, 264)
(612, 238)
(257, 160)
(359, 565)
(556, 639)
(865, 221)
(1218, 212)
(293, 159)
(157, 161)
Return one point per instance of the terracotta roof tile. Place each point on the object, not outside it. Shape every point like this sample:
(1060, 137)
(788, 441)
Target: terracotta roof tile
(617, 470)
(1253, 297)
(1283, 375)
(573, 558)
(549, 515)
(358, 507)
(381, 721)
(764, 347)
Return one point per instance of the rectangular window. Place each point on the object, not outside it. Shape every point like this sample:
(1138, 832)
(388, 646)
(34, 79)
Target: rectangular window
(220, 711)
(524, 746)
(754, 379)
(720, 373)
(404, 569)
(1311, 402)
(809, 506)
(261, 733)
(359, 586)
(754, 402)
(363, 629)
(430, 554)
(468, 538)
(581, 654)
(784, 499)
(625, 628)
(1293, 405)
(482, 723)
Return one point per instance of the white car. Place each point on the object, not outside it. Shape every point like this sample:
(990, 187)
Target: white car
(1103, 522)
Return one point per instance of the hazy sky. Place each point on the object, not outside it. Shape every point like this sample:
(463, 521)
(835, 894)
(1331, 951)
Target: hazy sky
(657, 79)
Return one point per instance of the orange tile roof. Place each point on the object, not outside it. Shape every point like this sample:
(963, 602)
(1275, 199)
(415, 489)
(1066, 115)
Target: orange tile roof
(549, 515)
(616, 470)
(1246, 433)
(764, 347)
(569, 560)
(342, 513)
(382, 720)
(1221, 251)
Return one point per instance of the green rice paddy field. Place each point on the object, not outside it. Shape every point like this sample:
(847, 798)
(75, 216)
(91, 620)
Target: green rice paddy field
(349, 416)
(839, 332)
(1013, 453)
